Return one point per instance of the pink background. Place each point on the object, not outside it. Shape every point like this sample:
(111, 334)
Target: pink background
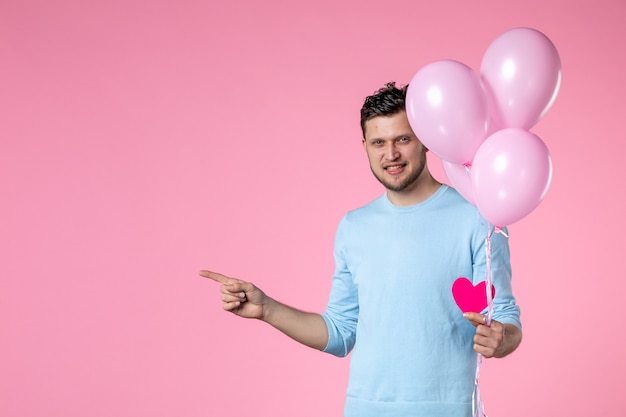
(142, 141)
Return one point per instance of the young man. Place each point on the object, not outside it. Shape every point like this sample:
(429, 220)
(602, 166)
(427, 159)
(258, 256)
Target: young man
(391, 305)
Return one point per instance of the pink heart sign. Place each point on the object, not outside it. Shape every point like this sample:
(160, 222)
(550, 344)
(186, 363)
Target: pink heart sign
(471, 298)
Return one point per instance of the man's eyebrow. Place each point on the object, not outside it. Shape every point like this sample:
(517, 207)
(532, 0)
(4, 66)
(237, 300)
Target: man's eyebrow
(401, 135)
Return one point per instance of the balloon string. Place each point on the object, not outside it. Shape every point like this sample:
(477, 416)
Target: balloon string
(478, 408)
(488, 273)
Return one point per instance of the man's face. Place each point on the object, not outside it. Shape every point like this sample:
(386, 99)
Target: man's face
(397, 158)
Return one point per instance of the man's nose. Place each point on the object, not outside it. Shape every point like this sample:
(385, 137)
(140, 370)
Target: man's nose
(391, 153)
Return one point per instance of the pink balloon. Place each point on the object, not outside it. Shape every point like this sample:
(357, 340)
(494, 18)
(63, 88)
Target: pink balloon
(522, 73)
(511, 174)
(461, 179)
(447, 109)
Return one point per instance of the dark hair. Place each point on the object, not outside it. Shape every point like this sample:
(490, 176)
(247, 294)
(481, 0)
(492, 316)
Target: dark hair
(387, 101)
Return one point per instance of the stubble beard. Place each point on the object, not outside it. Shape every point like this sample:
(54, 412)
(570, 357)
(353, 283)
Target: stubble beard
(407, 182)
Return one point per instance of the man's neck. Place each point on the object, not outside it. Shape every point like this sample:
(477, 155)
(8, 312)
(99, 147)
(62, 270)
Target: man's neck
(417, 194)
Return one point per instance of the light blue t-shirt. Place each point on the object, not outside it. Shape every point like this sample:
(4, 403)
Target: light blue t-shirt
(391, 304)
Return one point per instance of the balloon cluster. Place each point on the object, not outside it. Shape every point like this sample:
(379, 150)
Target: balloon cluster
(478, 124)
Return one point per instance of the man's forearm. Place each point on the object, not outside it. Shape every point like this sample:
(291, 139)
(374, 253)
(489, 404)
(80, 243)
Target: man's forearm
(307, 328)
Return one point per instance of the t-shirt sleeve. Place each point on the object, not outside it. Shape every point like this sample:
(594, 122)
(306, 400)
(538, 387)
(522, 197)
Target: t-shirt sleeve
(342, 310)
(505, 309)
